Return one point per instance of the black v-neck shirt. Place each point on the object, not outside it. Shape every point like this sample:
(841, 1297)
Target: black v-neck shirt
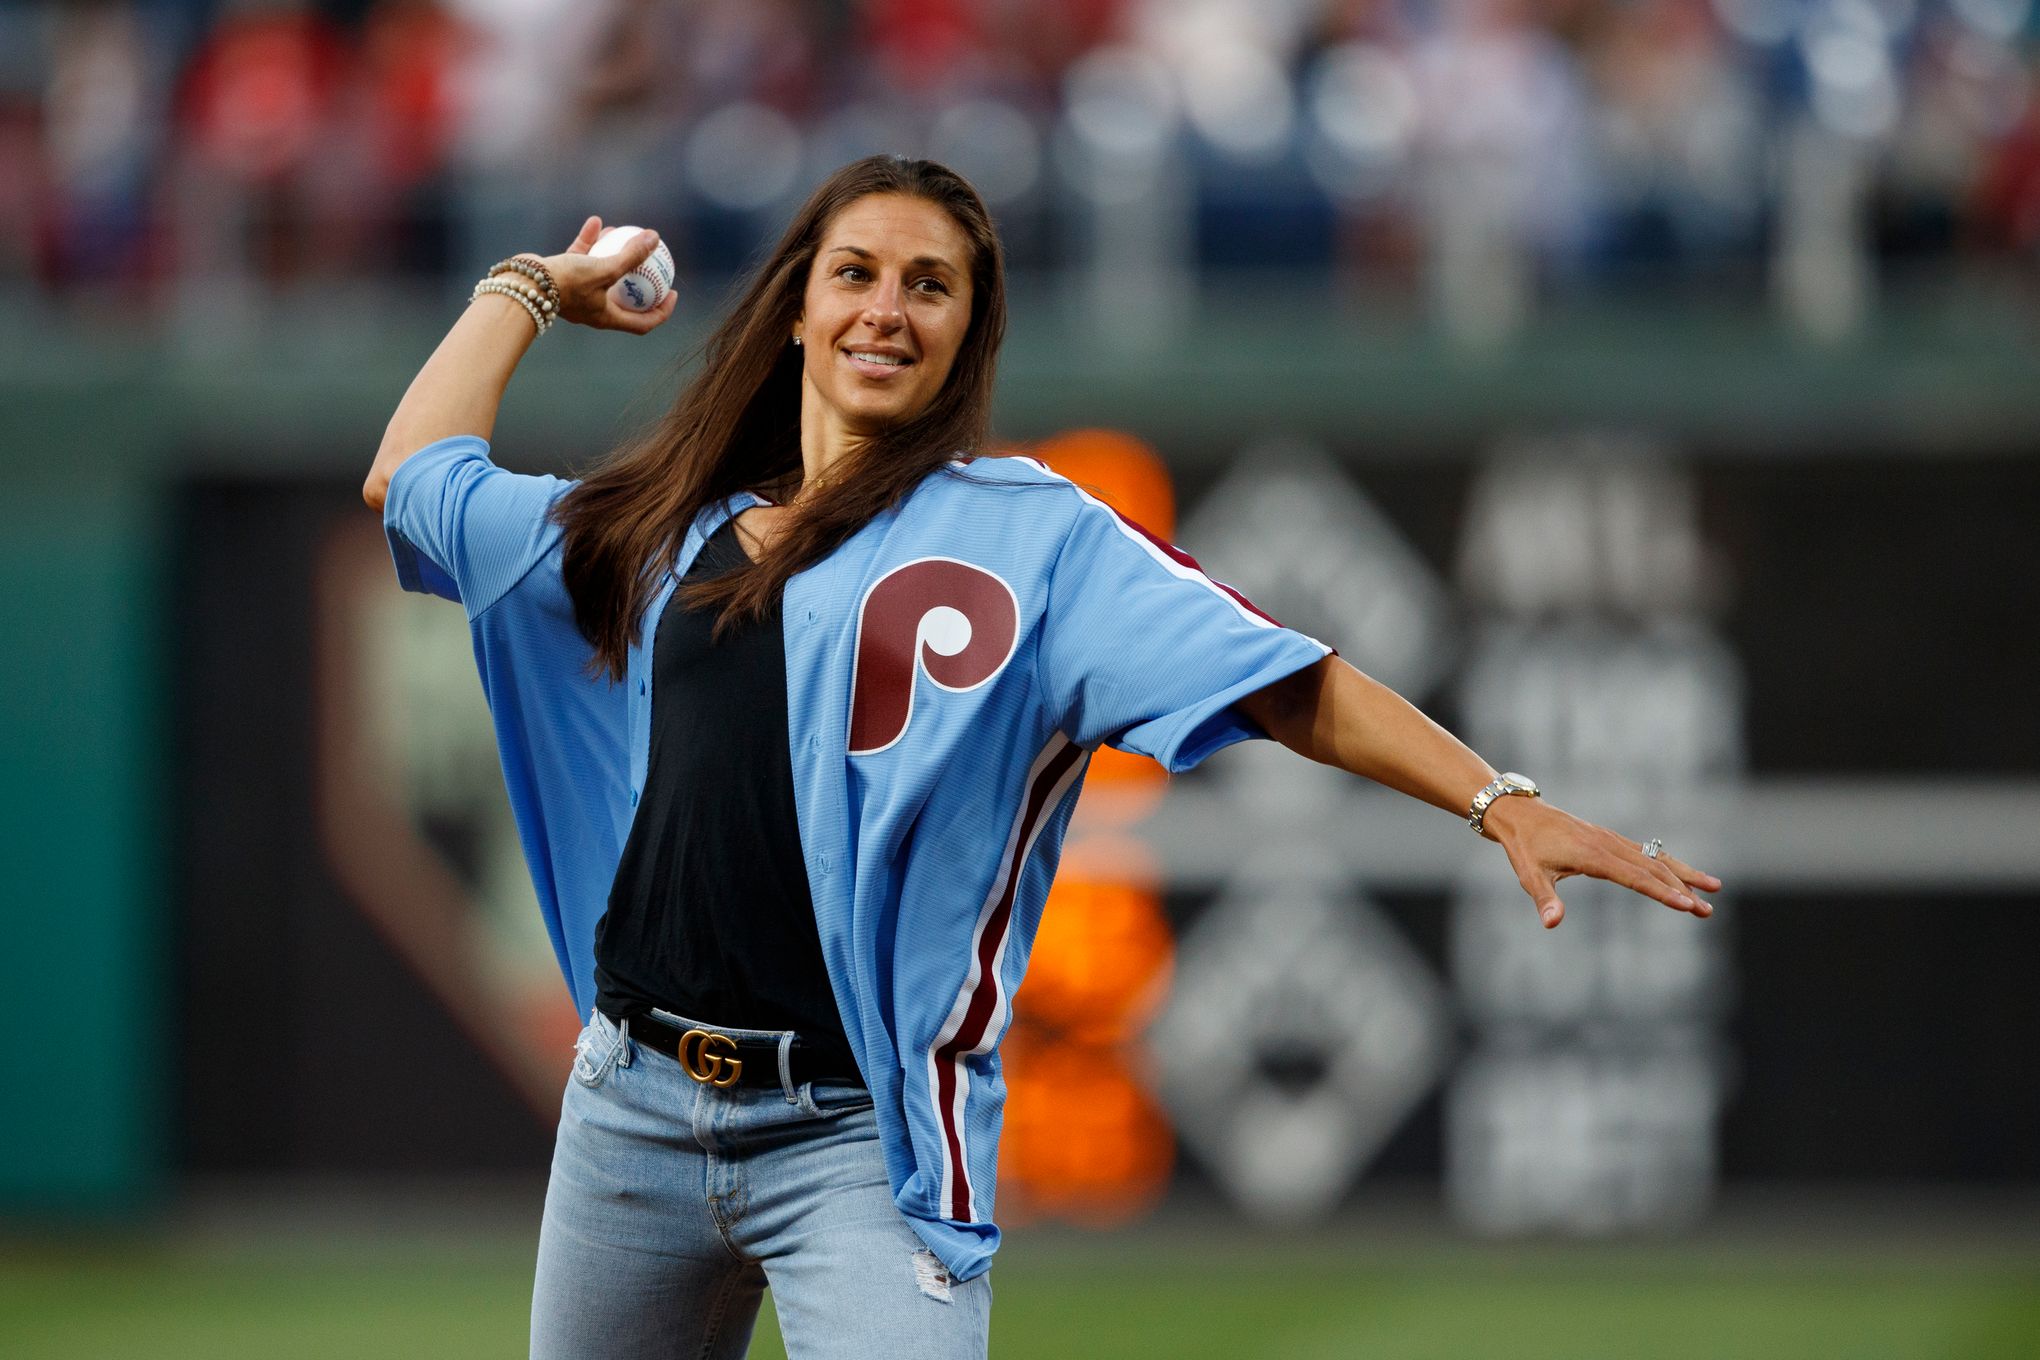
(710, 915)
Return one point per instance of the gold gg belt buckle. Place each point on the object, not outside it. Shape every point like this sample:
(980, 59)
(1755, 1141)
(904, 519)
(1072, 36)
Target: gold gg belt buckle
(705, 1056)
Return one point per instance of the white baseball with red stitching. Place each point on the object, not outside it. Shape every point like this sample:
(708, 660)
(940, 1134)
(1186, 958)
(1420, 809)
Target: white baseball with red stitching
(644, 287)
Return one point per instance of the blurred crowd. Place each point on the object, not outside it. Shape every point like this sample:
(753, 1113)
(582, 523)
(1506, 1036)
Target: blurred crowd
(1482, 153)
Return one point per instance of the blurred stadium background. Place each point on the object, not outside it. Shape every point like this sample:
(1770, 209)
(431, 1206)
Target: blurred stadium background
(1649, 389)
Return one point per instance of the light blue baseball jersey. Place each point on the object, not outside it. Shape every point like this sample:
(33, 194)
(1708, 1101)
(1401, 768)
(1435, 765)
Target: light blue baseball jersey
(949, 669)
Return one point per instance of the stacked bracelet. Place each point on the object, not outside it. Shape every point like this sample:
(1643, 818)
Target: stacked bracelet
(534, 270)
(540, 308)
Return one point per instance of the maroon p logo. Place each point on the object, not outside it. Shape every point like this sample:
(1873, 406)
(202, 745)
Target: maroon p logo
(957, 622)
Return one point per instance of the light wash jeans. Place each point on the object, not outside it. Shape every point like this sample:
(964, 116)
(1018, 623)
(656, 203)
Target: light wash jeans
(673, 1204)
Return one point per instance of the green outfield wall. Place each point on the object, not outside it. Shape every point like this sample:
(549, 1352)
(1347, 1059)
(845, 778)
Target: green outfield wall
(85, 1118)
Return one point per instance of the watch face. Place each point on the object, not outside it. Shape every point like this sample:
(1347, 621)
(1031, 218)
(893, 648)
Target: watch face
(1519, 781)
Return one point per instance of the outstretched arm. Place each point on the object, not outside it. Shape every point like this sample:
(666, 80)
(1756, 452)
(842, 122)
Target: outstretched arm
(1333, 714)
(461, 386)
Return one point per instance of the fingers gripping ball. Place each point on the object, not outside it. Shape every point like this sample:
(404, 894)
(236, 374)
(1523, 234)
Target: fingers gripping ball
(644, 287)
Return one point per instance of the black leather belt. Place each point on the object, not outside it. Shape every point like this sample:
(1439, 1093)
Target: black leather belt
(718, 1059)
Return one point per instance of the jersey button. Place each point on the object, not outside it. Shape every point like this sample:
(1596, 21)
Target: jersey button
(640, 685)
(811, 616)
(826, 865)
(814, 743)
(633, 797)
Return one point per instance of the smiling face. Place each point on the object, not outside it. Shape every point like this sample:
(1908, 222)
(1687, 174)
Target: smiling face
(887, 306)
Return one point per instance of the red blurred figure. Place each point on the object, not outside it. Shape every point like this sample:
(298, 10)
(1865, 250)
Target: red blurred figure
(2007, 201)
(409, 52)
(924, 44)
(401, 117)
(258, 96)
(260, 90)
(309, 154)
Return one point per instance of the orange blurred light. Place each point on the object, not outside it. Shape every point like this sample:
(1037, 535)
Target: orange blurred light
(1118, 469)
(1083, 1142)
(1104, 954)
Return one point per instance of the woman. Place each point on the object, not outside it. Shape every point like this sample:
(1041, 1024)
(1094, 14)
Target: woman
(794, 696)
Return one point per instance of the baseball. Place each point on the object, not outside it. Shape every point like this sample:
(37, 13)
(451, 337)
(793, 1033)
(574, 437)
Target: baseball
(644, 287)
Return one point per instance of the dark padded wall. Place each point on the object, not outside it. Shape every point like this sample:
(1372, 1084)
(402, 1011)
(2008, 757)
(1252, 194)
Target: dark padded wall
(307, 1044)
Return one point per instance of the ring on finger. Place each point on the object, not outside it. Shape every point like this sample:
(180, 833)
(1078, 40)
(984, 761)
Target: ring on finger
(1653, 847)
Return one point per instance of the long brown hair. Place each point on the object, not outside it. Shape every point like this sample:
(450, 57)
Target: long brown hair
(736, 427)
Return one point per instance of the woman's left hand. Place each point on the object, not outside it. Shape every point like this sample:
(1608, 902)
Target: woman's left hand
(1547, 843)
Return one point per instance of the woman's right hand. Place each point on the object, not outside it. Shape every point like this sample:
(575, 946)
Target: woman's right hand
(584, 282)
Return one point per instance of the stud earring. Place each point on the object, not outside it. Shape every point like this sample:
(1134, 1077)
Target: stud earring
(796, 340)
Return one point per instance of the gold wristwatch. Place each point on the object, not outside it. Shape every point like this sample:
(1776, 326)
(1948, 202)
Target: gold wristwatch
(1507, 784)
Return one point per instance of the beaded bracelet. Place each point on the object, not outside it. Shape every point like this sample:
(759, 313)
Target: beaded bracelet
(550, 302)
(530, 301)
(524, 297)
(534, 270)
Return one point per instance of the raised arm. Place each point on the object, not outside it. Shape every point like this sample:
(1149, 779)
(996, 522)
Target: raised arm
(1333, 714)
(461, 386)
